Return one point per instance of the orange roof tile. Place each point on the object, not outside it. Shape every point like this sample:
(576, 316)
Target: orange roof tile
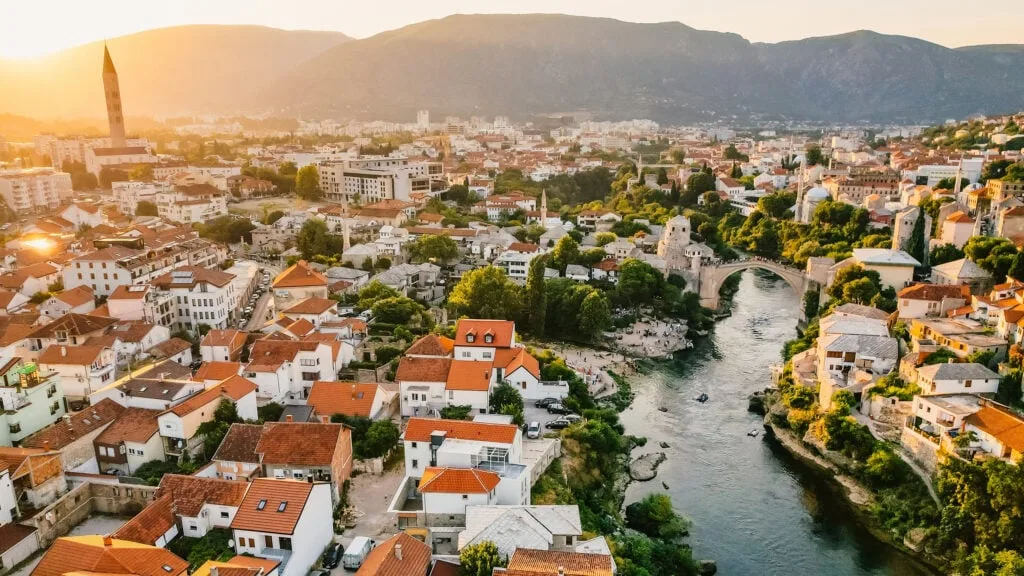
(76, 296)
(70, 355)
(312, 306)
(1005, 427)
(458, 481)
(934, 292)
(217, 371)
(501, 333)
(237, 387)
(93, 554)
(133, 425)
(299, 275)
(511, 359)
(239, 444)
(419, 430)
(431, 345)
(348, 398)
(233, 339)
(423, 369)
(382, 560)
(469, 375)
(190, 493)
(301, 443)
(259, 510)
(61, 434)
(550, 562)
(197, 401)
(148, 526)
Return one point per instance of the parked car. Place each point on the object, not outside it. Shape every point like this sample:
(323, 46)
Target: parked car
(545, 402)
(557, 424)
(533, 430)
(557, 408)
(332, 557)
(571, 418)
(356, 552)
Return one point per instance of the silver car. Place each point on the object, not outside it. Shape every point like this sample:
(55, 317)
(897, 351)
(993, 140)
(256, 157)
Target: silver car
(533, 430)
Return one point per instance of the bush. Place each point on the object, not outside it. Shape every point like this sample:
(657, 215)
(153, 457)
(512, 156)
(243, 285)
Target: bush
(655, 517)
(213, 546)
(386, 354)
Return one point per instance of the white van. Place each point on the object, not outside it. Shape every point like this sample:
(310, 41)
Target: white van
(356, 552)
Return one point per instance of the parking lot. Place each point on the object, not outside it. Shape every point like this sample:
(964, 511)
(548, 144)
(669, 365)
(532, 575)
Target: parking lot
(533, 414)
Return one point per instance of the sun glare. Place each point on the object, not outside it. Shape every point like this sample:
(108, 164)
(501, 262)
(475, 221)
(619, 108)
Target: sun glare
(39, 244)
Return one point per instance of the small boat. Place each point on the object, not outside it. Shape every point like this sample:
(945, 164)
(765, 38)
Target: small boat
(753, 433)
(665, 485)
(702, 398)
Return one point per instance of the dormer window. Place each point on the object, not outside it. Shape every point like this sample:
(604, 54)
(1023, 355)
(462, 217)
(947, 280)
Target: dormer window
(470, 338)
(488, 338)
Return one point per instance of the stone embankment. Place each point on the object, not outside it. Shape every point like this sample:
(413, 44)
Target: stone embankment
(645, 467)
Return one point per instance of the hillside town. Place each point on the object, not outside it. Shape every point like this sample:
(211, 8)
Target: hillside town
(404, 348)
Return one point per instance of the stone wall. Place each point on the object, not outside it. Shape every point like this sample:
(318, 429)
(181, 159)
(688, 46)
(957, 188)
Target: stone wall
(73, 508)
(923, 451)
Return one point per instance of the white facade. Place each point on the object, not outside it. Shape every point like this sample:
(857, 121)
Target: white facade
(34, 189)
(313, 532)
(127, 195)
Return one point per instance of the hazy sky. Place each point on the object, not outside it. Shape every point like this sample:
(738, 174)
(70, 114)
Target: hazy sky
(31, 28)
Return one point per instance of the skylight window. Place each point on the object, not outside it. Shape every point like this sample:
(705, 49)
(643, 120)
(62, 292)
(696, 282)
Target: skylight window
(282, 506)
(167, 568)
(261, 505)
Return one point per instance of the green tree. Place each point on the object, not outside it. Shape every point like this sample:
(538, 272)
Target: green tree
(141, 173)
(814, 156)
(566, 252)
(146, 208)
(595, 315)
(307, 183)
(486, 293)
(374, 292)
(776, 205)
(434, 247)
(662, 176)
(1016, 270)
(917, 245)
(944, 253)
(505, 399)
(456, 412)
(604, 238)
(396, 310)
(950, 183)
(639, 282)
(655, 517)
(480, 559)
(273, 217)
(381, 437)
(696, 185)
(536, 296)
(312, 238)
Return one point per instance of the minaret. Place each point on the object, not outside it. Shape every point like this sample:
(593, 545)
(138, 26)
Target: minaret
(346, 242)
(113, 94)
(799, 207)
(543, 207)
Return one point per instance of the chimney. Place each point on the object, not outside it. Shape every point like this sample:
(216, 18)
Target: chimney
(107, 541)
(288, 418)
(398, 551)
(561, 571)
(213, 571)
(324, 419)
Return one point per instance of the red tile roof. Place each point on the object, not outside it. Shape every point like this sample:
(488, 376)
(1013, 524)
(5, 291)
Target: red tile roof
(348, 398)
(419, 430)
(469, 375)
(423, 369)
(501, 332)
(299, 275)
(549, 562)
(383, 560)
(458, 481)
(190, 493)
(82, 423)
(71, 355)
(217, 371)
(431, 345)
(76, 296)
(272, 493)
(301, 443)
(312, 306)
(148, 526)
(133, 425)
(92, 554)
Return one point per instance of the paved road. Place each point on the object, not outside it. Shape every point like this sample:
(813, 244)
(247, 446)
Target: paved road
(259, 313)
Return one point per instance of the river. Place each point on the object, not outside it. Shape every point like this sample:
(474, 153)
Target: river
(754, 509)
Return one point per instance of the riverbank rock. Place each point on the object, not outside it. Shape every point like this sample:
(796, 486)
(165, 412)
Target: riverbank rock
(756, 404)
(707, 568)
(645, 467)
(663, 444)
(915, 539)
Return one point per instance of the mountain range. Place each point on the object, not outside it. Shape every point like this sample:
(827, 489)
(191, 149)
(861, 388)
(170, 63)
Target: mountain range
(522, 65)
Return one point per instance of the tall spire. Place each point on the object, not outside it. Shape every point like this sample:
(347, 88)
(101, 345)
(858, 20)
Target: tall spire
(543, 206)
(112, 92)
(108, 63)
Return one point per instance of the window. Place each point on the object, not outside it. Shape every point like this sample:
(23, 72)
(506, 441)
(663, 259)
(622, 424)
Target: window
(298, 475)
(470, 338)
(831, 354)
(268, 540)
(285, 543)
(413, 445)
(967, 383)
(281, 507)
(225, 514)
(252, 543)
(568, 540)
(488, 338)
(261, 505)
(465, 496)
(487, 355)
(415, 463)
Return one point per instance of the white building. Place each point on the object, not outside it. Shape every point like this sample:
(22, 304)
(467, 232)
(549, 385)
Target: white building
(127, 195)
(34, 189)
(373, 179)
(190, 204)
(200, 296)
(957, 378)
(285, 520)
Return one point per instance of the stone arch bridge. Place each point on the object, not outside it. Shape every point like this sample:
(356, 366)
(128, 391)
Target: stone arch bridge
(711, 277)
